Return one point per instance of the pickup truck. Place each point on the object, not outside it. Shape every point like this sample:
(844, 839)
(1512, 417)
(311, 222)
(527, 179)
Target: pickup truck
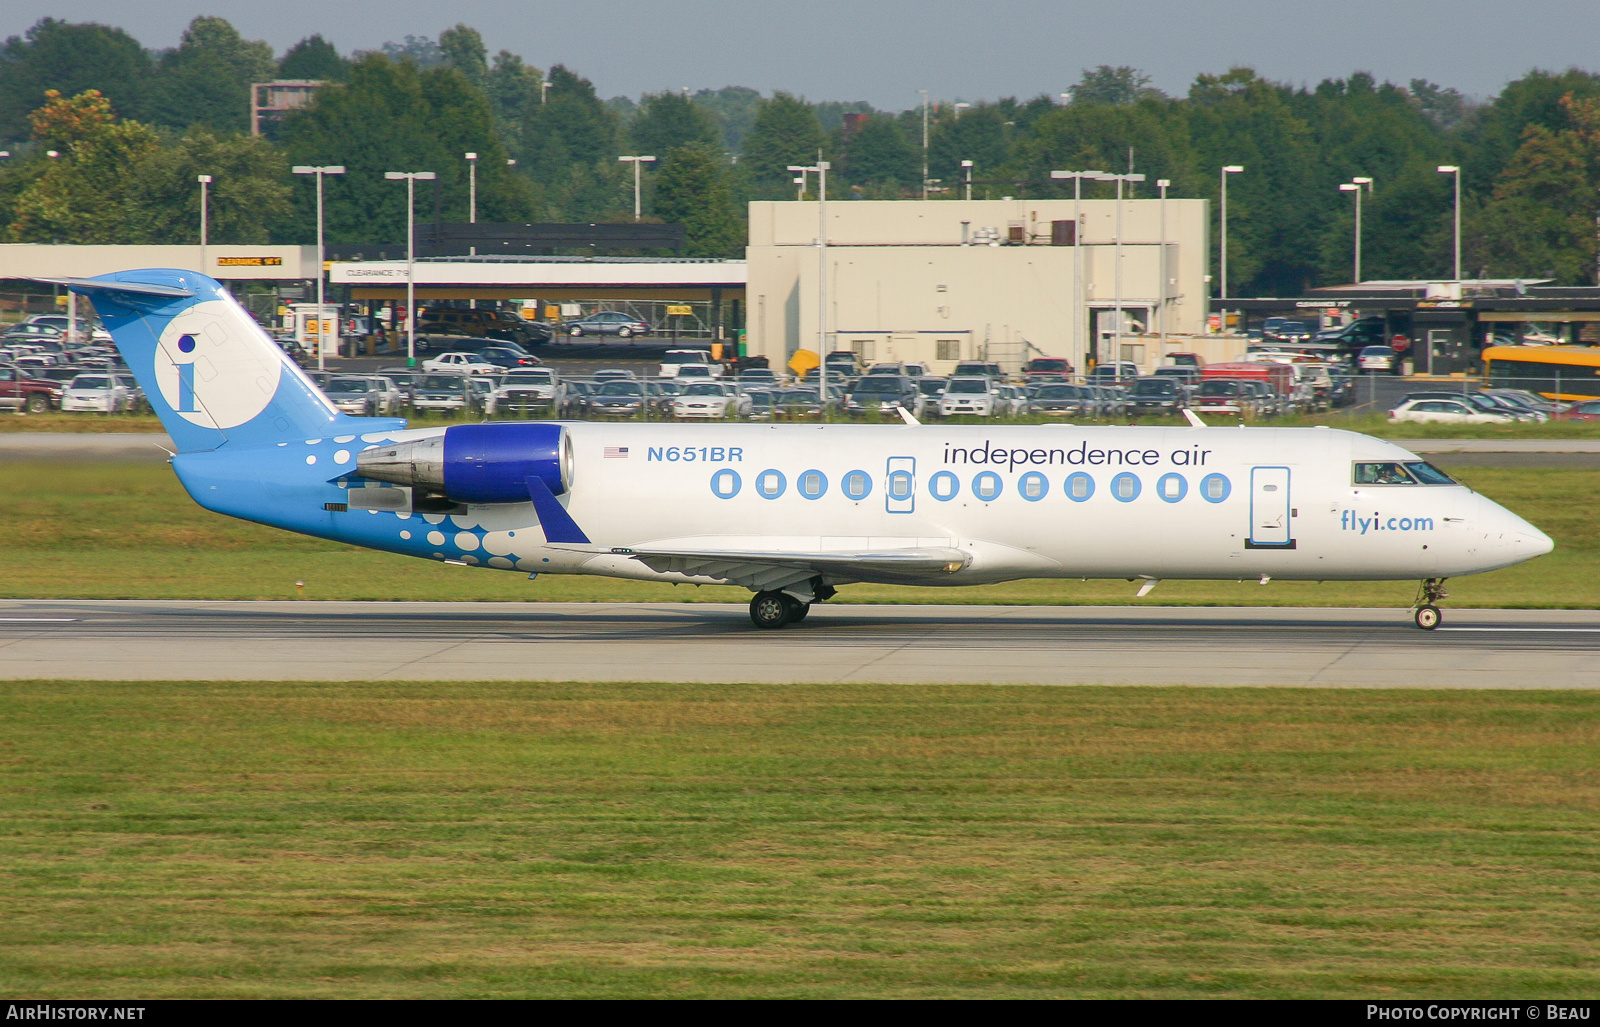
(19, 391)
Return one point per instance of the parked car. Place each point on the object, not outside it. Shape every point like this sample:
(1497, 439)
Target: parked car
(1226, 396)
(100, 393)
(459, 363)
(969, 368)
(573, 398)
(1483, 403)
(613, 374)
(887, 368)
(969, 396)
(1046, 368)
(1289, 332)
(523, 392)
(447, 393)
(1588, 410)
(1183, 374)
(710, 401)
(1064, 401)
(508, 355)
(607, 322)
(19, 390)
(1376, 358)
(364, 395)
(1114, 370)
(32, 333)
(1446, 411)
(881, 393)
(843, 361)
(1156, 395)
(616, 399)
(693, 373)
(758, 378)
(502, 325)
(674, 361)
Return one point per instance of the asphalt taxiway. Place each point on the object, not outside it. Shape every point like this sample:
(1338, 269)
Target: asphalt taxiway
(1311, 647)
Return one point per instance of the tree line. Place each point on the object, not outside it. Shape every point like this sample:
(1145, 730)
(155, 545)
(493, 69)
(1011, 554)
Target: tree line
(129, 129)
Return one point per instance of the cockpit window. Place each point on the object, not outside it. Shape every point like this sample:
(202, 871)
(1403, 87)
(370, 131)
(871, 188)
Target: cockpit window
(1410, 473)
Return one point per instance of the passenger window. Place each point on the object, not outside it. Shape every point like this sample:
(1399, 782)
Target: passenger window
(1382, 474)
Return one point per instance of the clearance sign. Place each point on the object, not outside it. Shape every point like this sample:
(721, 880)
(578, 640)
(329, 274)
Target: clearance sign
(249, 261)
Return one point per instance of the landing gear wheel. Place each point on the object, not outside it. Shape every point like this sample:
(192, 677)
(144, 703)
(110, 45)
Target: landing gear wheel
(801, 609)
(1428, 617)
(771, 610)
(1430, 592)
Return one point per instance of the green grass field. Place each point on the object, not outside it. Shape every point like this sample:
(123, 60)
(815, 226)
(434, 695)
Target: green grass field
(128, 531)
(453, 840)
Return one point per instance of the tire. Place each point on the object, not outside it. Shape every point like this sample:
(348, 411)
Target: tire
(801, 609)
(624, 333)
(37, 403)
(770, 610)
(1428, 617)
(574, 331)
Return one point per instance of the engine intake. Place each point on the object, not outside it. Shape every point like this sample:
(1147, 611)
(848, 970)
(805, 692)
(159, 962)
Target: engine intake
(477, 463)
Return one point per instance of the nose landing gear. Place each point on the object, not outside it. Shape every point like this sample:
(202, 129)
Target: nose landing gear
(1430, 592)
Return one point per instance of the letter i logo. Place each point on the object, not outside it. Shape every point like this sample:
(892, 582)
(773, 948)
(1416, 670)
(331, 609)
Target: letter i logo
(186, 377)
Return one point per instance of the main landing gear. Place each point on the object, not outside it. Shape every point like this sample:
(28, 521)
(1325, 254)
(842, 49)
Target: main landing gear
(1431, 591)
(776, 609)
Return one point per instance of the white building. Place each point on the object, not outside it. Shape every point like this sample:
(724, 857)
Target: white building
(1001, 280)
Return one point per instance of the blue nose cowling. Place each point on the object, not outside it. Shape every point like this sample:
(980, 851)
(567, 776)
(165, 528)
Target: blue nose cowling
(491, 463)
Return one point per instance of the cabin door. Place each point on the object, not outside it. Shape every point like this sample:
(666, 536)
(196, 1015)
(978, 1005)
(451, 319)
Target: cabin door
(1270, 510)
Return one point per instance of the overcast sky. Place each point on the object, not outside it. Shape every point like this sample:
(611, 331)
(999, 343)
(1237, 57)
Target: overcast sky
(883, 51)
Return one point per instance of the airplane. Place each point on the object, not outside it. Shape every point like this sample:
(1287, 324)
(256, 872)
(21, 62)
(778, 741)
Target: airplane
(791, 512)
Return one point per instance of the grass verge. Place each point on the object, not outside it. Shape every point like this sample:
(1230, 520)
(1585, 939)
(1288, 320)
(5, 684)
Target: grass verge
(128, 531)
(460, 840)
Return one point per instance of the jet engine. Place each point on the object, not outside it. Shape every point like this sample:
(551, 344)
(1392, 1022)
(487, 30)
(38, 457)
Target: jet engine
(477, 463)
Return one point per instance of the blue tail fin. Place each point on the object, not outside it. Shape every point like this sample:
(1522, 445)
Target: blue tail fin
(211, 374)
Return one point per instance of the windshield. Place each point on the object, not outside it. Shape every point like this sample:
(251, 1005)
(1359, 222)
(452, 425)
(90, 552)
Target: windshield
(84, 381)
(930, 386)
(620, 389)
(347, 385)
(1147, 388)
(1218, 388)
(442, 381)
(879, 383)
(529, 378)
(704, 389)
(967, 385)
(1057, 392)
(1047, 364)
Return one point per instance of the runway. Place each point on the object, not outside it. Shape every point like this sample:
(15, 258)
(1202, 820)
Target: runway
(1307, 647)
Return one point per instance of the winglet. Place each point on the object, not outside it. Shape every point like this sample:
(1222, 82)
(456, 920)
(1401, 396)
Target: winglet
(1193, 418)
(557, 524)
(908, 417)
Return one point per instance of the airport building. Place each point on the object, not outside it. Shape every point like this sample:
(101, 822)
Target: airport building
(997, 280)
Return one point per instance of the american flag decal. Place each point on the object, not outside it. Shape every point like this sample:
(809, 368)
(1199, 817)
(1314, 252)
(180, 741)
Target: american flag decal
(616, 452)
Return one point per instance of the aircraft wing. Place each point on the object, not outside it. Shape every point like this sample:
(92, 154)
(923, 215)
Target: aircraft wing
(764, 569)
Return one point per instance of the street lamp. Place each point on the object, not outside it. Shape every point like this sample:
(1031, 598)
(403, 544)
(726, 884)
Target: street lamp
(1116, 344)
(636, 161)
(821, 168)
(1162, 184)
(1231, 169)
(966, 166)
(1077, 253)
(961, 107)
(1453, 169)
(924, 93)
(544, 87)
(205, 184)
(1354, 186)
(411, 178)
(322, 314)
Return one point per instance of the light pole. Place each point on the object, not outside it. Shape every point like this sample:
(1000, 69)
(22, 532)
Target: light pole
(544, 87)
(1116, 343)
(1077, 253)
(636, 161)
(1354, 186)
(800, 186)
(966, 166)
(411, 178)
(205, 185)
(322, 314)
(1162, 184)
(821, 168)
(1454, 169)
(961, 107)
(924, 93)
(1230, 169)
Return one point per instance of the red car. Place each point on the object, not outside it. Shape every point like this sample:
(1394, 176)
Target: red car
(1586, 411)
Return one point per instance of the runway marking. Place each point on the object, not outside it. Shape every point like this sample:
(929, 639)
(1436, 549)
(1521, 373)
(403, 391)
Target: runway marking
(39, 620)
(1568, 631)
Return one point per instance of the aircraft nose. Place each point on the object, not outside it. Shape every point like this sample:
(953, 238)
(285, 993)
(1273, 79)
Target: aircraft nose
(1536, 542)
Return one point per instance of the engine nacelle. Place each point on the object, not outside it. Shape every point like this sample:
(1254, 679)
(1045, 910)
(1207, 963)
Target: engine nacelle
(477, 463)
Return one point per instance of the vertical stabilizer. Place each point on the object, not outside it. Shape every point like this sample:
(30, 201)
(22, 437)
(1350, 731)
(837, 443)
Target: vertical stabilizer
(211, 374)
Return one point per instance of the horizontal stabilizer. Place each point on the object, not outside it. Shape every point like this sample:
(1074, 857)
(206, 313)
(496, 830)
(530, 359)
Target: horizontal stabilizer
(102, 285)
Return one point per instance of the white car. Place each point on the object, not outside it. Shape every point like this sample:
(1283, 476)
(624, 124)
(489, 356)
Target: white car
(525, 391)
(711, 401)
(970, 397)
(1375, 358)
(1445, 411)
(363, 395)
(99, 393)
(674, 361)
(460, 363)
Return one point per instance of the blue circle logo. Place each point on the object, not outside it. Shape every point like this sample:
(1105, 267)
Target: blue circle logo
(770, 484)
(1214, 488)
(944, 486)
(1172, 487)
(1125, 487)
(1079, 486)
(857, 485)
(812, 484)
(986, 485)
(186, 343)
(725, 483)
(1033, 486)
